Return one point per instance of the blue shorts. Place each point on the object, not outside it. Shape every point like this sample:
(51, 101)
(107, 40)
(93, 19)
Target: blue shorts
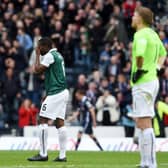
(87, 128)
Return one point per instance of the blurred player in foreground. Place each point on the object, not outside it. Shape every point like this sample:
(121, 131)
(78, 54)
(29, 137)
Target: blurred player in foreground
(54, 105)
(148, 55)
(87, 116)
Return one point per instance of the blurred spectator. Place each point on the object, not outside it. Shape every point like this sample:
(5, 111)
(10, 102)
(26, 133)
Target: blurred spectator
(127, 70)
(164, 39)
(114, 65)
(116, 29)
(128, 122)
(104, 58)
(70, 12)
(82, 50)
(104, 84)
(158, 122)
(25, 41)
(122, 101)
(27, 114)
(50, 9)
(3, 115)
(113, 85)
(68, 49)
(17, 52)
(156, 5)
(166, 115)
(128, 8)
(92, 15)
(96, 32)
(94, 37)
(123, 86)
(33, 86)
(11, 90)
(92, 92)
(36, 36)
(95, 76)
(57, 28)
(81, 84)
(107, 109)
(164, 84)
(80, 18)
(29, 23)
(105, 8)
(33, 82)
(38, 21)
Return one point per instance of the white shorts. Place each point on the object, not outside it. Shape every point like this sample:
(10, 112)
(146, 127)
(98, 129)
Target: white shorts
(54, 106)
(144, 96)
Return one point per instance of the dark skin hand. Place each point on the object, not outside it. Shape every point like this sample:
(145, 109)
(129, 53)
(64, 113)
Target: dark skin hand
(39, 68)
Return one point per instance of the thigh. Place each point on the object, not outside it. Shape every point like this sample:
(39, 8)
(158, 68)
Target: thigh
(55, 106)
(88, 128)
(144, 98)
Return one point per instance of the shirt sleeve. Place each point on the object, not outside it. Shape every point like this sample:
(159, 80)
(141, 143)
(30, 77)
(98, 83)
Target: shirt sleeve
(162, 51)
(88, 104)
(47, 60)
(141, 44)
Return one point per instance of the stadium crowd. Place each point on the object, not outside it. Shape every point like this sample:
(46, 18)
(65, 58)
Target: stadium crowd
(95, 39)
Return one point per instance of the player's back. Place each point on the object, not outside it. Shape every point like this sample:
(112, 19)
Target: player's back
(84, 109)
(55, 81)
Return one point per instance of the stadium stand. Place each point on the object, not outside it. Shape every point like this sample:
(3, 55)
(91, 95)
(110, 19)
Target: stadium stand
(94, 36)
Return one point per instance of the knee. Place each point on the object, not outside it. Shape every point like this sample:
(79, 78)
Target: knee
(43, 120)
(144, 123)
(139, 125)
(59, 123)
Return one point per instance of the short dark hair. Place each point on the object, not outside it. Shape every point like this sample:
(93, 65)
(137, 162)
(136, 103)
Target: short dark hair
(146, 14)
(45, 41)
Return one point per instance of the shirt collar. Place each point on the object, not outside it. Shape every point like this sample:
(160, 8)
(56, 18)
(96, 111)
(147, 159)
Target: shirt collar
(53, 49)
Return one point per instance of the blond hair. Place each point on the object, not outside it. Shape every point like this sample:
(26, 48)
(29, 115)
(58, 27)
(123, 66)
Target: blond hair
(146, 15)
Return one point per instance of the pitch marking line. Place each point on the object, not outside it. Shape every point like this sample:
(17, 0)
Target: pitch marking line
(65, 166)
(163, 165)
(39, 166)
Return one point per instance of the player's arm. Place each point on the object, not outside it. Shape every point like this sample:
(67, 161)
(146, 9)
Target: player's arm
(160, 67)
(141, 44)
(74, 116)
(139, 62)
(161, 60)
(92, 111)
(38, 68)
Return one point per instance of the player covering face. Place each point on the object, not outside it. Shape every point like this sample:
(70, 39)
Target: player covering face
(54, 105)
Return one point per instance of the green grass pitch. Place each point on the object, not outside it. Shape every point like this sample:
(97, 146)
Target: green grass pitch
(79, 159)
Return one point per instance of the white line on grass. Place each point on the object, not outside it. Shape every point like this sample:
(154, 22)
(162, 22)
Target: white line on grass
(39, 166)
(163, 165)
(67, 166)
